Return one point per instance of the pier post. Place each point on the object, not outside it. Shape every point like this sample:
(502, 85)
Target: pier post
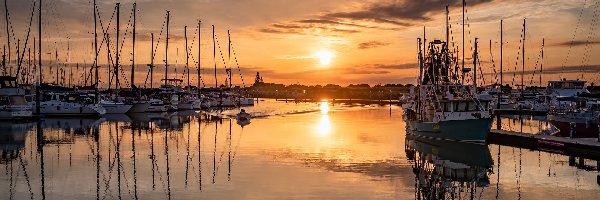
(572, 133)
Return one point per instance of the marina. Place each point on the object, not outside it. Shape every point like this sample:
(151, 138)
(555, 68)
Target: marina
(120, 100)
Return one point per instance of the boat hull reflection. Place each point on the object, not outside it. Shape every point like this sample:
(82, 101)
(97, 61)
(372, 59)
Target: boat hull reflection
(442, 167)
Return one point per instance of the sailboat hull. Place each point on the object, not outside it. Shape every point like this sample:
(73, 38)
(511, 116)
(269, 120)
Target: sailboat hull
(473, 130)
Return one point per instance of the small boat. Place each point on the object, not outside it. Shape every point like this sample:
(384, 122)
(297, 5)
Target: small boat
(243, 116)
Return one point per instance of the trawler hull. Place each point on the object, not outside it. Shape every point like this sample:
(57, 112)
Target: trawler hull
(472, 130)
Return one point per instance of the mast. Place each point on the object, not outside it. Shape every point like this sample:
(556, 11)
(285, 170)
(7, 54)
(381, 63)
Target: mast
(7, 30)
(475, 57)
(96, 79)
(229, 58)
(523, 70)
(447, 27)
(167, 49)
(215, 55)
(133, 49)
(501, 92)
(39, 82)
(542, 62)
(463, 37)
(187, 57)
(152, 60)
(199, 75)
(116, 72)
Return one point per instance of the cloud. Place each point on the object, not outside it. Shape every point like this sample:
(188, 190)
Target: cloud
(400, 13)
(576, 43)
(372, 44)
(396, 66)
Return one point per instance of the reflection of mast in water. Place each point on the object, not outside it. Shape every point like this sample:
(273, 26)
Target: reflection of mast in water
(134, 167)
(96, 133)
(152, 156)
(187, 156)
(40, 148)
(199, 153)
(168, 170)
(215, 154)
(229, 160)
(498, 175)
(118, 151)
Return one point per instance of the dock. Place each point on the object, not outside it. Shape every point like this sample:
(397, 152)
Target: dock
(580, 147)
(519, 112)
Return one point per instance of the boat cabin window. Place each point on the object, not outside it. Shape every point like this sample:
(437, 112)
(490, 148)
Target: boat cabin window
(567, 85)
(460, 106)
(4, 101)
(17, 100)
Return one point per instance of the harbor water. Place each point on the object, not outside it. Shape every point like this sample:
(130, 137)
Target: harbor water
(288, 151)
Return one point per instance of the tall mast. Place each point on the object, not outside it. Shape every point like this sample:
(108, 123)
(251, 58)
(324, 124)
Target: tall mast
(199, 41)
(501, 71)
(7, 30)
(542, 62)
(215, 55)
(447, 27)
(463, 36)
(133, 48)
(116, 72)
(229, 58)
(96, 79)
(523, 70)
(167, 49)
(187, 57)
(39, 82)
(152, 60)
(475, 57)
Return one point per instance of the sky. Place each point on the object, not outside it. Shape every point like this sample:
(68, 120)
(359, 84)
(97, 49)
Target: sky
(312, 41)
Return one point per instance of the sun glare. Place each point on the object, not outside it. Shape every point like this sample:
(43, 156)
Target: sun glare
(324, 57)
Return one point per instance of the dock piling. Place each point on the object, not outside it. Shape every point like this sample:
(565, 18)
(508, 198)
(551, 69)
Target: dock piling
(573, 132)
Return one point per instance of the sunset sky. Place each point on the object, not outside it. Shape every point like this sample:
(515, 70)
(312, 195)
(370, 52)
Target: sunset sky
(319, 42)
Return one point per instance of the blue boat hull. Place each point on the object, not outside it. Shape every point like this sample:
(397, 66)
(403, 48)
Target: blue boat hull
(474, 130)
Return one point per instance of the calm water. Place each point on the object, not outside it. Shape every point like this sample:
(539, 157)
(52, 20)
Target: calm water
(293, 151)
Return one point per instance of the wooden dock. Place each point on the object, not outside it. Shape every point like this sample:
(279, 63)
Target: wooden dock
(581, 147)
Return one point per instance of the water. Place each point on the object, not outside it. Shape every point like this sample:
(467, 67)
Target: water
(293, 151)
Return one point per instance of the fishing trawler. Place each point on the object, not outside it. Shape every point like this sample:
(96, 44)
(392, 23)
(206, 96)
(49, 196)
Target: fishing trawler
(443, 107)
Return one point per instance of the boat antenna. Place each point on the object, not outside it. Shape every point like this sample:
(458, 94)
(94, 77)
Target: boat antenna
(7, 29)
(475, 58)
(542, 62)
(447, 26)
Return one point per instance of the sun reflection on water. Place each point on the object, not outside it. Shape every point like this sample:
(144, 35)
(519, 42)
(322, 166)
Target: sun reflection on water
(324, 127)
(324, 107)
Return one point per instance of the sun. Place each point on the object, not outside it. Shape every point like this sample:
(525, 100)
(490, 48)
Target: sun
(324, 56)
